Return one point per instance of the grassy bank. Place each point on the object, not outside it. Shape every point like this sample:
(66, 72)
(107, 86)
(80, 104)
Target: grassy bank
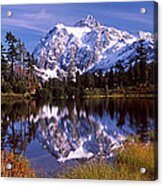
(20, 166)
(129, 160)
(127, 166)
(14, 95)
(71, 93)
(115, 95)
(120, 96)
(120, 92)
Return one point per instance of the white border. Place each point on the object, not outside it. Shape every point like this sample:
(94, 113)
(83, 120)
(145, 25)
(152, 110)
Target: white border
(41, 182)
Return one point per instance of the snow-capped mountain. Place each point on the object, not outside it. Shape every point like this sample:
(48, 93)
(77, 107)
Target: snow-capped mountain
(76, 134)
(81, 137)
(87, 46)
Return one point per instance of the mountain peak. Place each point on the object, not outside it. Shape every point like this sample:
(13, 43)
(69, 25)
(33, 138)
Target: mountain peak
(89, 21)
(145, 36)
(90, 18)
(87, 46)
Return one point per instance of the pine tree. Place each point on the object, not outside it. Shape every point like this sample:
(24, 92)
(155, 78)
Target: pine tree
(155, 66)
(120, 75)
(89, 80)
(136, 74)
(78, 79)
(31, 62)
(4, 65)
(12, 52)
(22, 55)
(100, 82)
(3, 50)
(130, 75)
(106, 80)
(111, 79)
(141, 59)
(70, 76)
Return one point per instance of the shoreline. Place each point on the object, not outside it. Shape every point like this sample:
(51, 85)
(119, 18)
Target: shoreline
(129, 158)
(29, 96)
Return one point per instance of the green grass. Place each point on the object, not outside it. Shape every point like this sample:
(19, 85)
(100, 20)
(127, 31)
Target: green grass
(127, 165)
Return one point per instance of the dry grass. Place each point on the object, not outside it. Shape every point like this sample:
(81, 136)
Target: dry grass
(20, 166)
(127, 166)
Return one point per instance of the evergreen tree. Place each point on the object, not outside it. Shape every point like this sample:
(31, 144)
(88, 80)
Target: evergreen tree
(111, 79)
(130, 76)
(100, 81)
(136, 74)
(4, 64)
(3, 50)
(78, 79)
(155, 65)
(12, 52)
(22, 56)
(89, 80)
(141, 59)
(106, 79)
(31, 62)
(120, 75)
(70, 74)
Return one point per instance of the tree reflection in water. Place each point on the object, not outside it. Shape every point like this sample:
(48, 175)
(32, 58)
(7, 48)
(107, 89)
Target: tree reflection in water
(71, 129)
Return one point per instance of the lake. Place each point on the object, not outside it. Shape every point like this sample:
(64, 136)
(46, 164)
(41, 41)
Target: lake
(60, 134)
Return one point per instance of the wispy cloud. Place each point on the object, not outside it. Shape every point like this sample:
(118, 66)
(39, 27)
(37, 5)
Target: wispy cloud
(22, 23)
(37, 16)
(39, 21)
(35, 21)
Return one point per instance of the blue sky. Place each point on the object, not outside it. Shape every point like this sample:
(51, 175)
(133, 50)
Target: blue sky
(31, 22)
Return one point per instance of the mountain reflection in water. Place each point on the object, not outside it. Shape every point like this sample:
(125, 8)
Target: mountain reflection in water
(79, 129)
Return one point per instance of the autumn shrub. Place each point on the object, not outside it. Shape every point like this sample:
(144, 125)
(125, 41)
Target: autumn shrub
(20, 166)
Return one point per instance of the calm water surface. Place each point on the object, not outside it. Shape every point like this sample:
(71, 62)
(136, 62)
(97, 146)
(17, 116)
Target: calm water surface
(59, 134)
